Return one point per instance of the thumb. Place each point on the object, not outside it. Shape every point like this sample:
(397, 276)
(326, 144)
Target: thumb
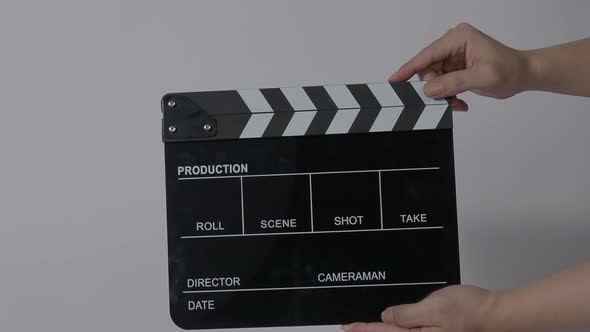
(423, 313)
(451, 84)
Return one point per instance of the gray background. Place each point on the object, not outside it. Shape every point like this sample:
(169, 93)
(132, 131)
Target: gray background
(82, 216)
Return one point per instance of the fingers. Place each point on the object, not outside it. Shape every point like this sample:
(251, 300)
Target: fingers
(437, 51)
(423, 313)
(459, 105)
(427, 75)
(372, 327)
(381, 327)
(453, 83)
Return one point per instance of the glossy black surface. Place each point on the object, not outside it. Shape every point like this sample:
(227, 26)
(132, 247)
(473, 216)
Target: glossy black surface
(376, 176)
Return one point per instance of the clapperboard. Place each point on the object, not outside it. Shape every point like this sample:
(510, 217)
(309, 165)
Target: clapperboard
(307, 205)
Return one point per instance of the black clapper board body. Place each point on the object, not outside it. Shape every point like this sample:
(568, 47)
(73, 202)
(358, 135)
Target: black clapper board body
(307, 205)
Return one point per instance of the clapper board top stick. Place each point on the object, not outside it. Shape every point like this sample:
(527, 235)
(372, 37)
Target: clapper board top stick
(307, 205)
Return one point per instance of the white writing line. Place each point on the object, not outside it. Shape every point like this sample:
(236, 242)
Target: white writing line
(380, 200)
(310, 202)
(314, 287)
(314, 232)
(312, 173)
(242, 200)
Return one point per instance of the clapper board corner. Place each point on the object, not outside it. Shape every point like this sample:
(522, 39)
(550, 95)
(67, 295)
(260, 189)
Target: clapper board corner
(178, 322)
(183, 119)
(446, 122)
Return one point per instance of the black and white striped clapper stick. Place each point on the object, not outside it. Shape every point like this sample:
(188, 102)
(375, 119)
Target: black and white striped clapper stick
(299, 111)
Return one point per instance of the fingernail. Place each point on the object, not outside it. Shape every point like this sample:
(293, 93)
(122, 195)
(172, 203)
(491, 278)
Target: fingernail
(346, 327)
(433, 89)
(386, 315)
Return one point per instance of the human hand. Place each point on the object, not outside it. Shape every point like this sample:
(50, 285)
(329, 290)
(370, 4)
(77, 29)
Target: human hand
(451, 309)
(466, 59)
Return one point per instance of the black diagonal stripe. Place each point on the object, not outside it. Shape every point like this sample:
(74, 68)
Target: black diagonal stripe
(364, 120)
(326, 110)
(447, 119)
(320, 97)
(363, 96)
(277, 100)
(278, 124)
(321, 122)
(369, 108)
(283, 112)
(413, 106)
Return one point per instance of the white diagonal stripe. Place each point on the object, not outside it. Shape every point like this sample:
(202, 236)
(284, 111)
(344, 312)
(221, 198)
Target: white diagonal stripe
(419, 87)
(341, 96)
(386, 119)
(255, 100)
(299, 123)
(430, 117)
(256, 125)
(298, 99)
(342, 121)
(385, 94)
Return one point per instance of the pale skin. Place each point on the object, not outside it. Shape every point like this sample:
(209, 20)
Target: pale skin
(465, 59)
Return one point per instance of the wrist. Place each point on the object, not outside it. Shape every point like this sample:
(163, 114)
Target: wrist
(491, 317)
(534, 70)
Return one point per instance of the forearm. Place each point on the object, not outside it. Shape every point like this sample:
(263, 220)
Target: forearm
(562, 68)
(556, 303)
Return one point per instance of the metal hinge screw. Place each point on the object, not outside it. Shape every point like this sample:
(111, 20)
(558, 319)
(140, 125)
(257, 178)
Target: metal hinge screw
(172, 129)
(171, 103)
(207, 127)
